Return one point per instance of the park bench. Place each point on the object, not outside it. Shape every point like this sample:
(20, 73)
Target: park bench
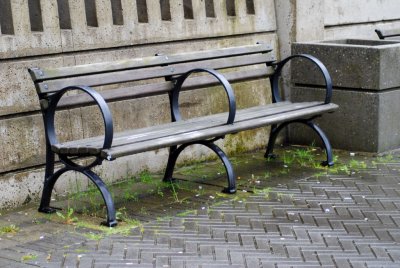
(173, 70)
(384, 34)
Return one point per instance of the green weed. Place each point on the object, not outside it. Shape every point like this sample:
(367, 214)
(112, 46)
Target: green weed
(145, 177)
(144, 211)
(385, 159)
(265, 191)
(124, 228)
(174, 192)
(68, 217)
(9, 229)
(192, 169)
(355, 164)
(304, 156)
(81, 250)
(94, 236)
(130, 195)
(287, 158)
(29, 257)
(186, 213)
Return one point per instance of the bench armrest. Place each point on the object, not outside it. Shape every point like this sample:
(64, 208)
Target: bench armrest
(181, 79)
(278, 69)
(105, 111)
(383, 34)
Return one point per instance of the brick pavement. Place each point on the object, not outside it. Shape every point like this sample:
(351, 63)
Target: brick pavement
(329, 221)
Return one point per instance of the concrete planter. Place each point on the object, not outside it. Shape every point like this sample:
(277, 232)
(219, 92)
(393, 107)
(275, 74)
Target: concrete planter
(366, 79)
(358, 64)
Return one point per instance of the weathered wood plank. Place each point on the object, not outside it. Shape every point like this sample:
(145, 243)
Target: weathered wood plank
(167, 129)
(149, 73)
(94, 144)
(162, 88)
(154, 144)
(170, 130)
(87, 69)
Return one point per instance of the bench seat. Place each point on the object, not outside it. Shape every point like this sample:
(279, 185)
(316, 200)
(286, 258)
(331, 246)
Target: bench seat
(175, 133)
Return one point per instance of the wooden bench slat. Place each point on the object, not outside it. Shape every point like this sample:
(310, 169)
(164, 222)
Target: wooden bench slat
(187, 137)
(211, 121)
(164, 87)
(149, 73)
(93, 145)
(54, 73)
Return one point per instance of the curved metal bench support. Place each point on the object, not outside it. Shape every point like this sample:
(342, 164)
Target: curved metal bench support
(49, 114)
(278, 71)
(175, 152)
(51, 181)
(51, 138)
(174, 97)
(275, 131)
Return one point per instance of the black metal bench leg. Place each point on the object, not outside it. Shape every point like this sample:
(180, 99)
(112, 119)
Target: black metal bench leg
(50, 158)
(328, 148)
(272, 139)
(227, 164)
(275, 131)
(231, 189)
(47, 191)
(173, 156)
(51, 181)
(111, 215)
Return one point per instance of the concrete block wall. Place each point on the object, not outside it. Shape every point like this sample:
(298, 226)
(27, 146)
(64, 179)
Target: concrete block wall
(358, 18)
(55, 33)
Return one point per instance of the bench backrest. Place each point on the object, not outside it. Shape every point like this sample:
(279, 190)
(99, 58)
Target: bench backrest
(48, 81)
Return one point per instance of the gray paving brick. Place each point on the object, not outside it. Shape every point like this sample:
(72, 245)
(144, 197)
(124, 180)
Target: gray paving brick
(383, 235)
(252, 262)
(342, 263)
(279, 250)
(293, 252)
(316, 238)
(85, 262)
(70, 260)
(308, 219)
(348, 246)
(236, 258)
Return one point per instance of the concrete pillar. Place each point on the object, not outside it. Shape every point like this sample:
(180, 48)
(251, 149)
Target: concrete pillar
(297, 20)
(309, 20)
(286, 34)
